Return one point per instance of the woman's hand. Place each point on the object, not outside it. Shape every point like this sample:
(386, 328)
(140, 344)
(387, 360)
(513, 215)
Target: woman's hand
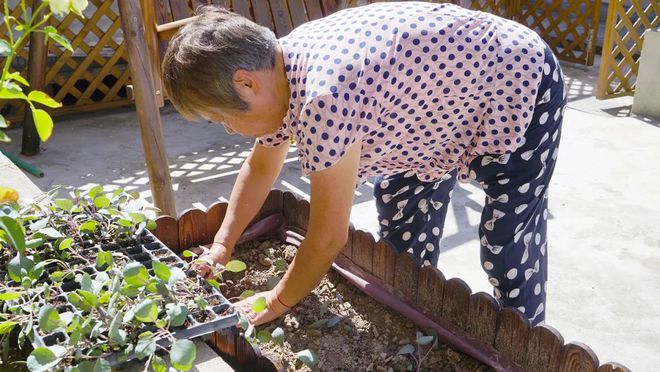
(217, 254)
(274, 308)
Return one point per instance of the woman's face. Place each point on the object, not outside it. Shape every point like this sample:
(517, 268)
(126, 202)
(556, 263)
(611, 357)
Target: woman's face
(267, 94)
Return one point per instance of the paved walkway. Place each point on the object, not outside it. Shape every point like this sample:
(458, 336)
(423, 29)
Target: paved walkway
(604, 232)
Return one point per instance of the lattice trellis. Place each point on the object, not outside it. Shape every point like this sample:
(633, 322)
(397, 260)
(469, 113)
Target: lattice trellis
(569, 27)
(503, 8)
(95, 75)
(626, 22)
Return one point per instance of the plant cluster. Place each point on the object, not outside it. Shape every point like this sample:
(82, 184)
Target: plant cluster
(84, 286)
(12, 84)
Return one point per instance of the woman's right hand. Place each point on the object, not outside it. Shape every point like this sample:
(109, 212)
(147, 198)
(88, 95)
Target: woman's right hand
(217, 254)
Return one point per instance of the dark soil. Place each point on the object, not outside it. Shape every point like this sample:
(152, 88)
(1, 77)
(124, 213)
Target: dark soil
(363, 335)
(202, 316)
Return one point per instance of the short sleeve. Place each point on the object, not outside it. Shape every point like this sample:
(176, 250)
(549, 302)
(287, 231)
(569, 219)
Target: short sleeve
(329, 124)
(276, 138)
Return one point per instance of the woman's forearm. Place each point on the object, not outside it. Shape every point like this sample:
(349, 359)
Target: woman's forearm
(313, 260)
(251, 188)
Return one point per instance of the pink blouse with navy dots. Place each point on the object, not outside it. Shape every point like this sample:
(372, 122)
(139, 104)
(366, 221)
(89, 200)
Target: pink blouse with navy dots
(425, 87)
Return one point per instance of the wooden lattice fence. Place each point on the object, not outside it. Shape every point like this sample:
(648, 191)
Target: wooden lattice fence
(626, 22)
(95, 75)
(570, 27)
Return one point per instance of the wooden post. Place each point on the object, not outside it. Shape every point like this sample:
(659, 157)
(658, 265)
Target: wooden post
(37, 64)
(151, 127)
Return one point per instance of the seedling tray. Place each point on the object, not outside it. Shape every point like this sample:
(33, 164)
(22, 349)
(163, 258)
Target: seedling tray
(146, 249)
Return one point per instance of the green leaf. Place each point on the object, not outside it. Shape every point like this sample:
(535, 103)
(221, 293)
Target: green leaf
(16, 76)
(263, 335)
(49, 319)
(177, 314)
(95, 191)
(277, 335)
(136, 274)
(151, 225)
(101, 365)
(137, 217)
(259, 305)
(65, 244)
(308, 357)
(124, 222)
(51, 233)
(333, 321)
(213, 283)
(10, 92)
(14, 232)
(3, 136)
(3, 122)
(19, 267)
(158, 364)
(145, 347)
(188, 254)
(177, 275)
(77, 301)
(43, 98)
(272, 282)
(104, 259)
(318, 324)
(246, 294)
(8, 296)
(6, 327)
(406, 349)
(280, 265)
(64, 204)
(89, 226)
(45, 358)
(182, 354)
(146, 311)
(51, 32)
(425, 340)
(88, 297)
(243, 321)
(101, 202)
(57, 276)
(235, 266)
(162, 271)
(43, 122)
(5, 48)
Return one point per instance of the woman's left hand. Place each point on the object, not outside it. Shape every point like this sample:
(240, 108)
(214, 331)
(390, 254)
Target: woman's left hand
(274, 309)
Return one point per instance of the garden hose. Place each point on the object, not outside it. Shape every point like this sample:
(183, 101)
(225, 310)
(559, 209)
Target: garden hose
(23, 164)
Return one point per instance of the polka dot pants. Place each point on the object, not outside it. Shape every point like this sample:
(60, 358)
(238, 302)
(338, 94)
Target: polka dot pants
(513, 229)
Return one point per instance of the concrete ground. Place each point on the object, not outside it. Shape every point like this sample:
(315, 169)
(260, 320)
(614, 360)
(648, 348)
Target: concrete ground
(604, 280)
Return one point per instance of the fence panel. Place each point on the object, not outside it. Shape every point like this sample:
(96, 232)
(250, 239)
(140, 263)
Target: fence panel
(626, 22)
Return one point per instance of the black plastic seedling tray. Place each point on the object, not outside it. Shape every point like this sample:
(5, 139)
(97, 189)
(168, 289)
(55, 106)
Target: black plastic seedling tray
(146, 250)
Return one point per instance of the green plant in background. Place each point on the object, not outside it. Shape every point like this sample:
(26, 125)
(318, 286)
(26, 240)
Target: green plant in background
(55, 283)
(12, 84)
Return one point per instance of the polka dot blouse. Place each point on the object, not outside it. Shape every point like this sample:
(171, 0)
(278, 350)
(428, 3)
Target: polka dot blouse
(425, 87)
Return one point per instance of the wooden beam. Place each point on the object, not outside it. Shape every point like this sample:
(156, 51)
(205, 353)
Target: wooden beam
(149, 23)
(37, 64)
(166, 31)
(151, 127)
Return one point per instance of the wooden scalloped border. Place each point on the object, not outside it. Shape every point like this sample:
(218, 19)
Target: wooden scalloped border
(503, 333)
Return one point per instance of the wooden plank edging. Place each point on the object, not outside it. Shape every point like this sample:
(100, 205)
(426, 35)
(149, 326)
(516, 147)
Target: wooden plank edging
(478, 317)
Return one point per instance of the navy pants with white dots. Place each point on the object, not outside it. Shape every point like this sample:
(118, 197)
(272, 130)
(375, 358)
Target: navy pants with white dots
(513, 222)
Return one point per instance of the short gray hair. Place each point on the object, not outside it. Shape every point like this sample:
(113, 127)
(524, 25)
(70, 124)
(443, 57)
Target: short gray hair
(202, 57)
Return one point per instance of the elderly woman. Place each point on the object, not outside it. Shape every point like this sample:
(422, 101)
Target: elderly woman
(417, 94)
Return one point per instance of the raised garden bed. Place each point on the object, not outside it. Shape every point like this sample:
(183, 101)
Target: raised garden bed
(471, 323)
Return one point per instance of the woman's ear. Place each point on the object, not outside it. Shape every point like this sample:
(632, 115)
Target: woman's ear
(246, 84)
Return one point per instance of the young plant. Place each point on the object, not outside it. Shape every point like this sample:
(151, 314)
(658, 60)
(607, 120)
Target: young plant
(12, 84)
(79, 304)
(415, 351)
